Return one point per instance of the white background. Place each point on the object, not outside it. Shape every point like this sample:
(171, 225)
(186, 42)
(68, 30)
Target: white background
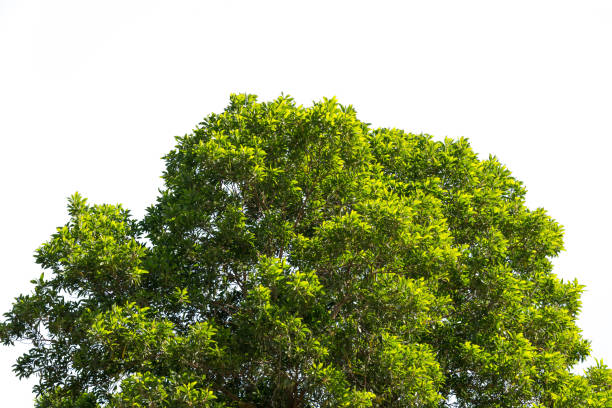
(92, 93)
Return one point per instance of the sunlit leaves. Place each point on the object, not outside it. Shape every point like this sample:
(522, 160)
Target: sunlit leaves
(297, 258)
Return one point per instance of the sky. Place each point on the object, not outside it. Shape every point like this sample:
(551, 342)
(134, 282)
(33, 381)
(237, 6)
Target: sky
(93, 92)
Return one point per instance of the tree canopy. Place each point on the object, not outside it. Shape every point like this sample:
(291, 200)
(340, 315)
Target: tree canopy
(296, 257)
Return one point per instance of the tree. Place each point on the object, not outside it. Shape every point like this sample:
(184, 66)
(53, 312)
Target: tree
(298, 258)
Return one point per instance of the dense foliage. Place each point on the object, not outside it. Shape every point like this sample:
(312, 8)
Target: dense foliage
(298, 258)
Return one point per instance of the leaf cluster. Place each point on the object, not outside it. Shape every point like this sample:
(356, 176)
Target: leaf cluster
(298, 258)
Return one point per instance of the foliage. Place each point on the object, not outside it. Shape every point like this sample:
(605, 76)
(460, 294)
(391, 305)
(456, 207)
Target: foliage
(298, 258)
